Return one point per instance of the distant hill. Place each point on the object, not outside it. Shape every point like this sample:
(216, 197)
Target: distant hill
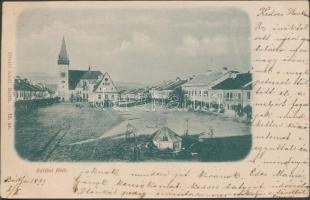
(52, 87)
(40, 77)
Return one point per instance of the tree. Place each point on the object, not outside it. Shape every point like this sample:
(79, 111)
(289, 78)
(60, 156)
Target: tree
(248, 111)
(177, 97)
(238, 110)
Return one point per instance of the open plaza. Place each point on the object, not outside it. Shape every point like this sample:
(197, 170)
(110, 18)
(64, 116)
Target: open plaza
(66, 131)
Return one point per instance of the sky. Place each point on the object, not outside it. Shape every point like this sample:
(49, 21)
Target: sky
(135, 45)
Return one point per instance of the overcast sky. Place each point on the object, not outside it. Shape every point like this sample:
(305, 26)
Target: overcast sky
(135, 45)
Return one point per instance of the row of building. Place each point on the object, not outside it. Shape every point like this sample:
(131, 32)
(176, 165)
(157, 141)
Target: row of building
(25, 89)
(224, 89)
(227, 90)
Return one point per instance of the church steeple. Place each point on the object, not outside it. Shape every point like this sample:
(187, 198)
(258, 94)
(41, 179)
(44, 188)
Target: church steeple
(63, 58)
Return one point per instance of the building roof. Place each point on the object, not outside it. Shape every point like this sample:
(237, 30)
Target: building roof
(165, 131)
(26, 85)
(20, 84)
(98, 83)
(170, 84)
(135, 91)
(76, 75)
(96, 74)
(205, 79)
(248, 86)
(234, 83)
(63, 55)
(161, 85)
(91, 74)
(174, 85)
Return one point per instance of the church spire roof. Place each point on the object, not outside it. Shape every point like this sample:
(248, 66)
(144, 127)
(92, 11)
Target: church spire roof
(63, 56)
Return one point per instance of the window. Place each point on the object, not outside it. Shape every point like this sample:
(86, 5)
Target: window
(176, 145)
(99, 96)
(63, 81)
(63, 74)
(200, 93)
(249, 95)
(106, 96)
(195, 92)
(230, 95)
(239, 96)
(112, 96)
(165, 138)
(206, 93)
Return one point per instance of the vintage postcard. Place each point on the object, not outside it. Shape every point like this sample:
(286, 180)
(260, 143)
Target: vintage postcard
(155, 99)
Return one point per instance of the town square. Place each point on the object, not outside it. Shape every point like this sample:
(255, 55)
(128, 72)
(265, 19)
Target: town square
(135, 112)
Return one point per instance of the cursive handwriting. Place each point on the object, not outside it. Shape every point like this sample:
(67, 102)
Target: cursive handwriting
(15, 184)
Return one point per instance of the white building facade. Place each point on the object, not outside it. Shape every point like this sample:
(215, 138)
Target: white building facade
(199, 89)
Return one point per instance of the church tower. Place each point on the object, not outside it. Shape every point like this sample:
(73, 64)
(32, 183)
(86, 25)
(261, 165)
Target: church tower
(63, 66)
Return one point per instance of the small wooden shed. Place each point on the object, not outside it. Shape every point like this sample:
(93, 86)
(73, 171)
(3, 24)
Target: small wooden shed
(165, 138)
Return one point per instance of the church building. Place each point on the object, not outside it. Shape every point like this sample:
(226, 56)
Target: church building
(83, 85)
